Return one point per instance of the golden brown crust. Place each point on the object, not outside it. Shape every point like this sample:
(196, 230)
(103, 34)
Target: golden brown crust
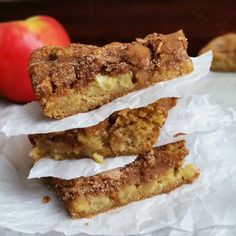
(126, 132)
(58, 72)
(162, 164)
(224, 52)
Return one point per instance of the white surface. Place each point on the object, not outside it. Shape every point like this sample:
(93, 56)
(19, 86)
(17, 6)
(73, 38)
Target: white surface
(30, 120)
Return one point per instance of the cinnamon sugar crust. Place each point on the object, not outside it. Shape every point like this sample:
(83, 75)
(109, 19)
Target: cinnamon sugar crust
(126, 132)
(82, 77)
(152, 173)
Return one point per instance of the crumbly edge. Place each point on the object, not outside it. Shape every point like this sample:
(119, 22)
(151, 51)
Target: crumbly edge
(133, 181)
(59, 74)
(120, 134)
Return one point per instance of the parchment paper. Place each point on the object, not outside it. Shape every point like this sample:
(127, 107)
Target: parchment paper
(208, 202)
(30, 120)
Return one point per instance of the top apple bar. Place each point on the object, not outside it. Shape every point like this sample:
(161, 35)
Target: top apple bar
(81, 77)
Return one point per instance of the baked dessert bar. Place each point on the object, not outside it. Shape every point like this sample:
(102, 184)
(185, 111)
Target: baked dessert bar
(224, 52)
(158, 171)
(125, 132)
(81, 77)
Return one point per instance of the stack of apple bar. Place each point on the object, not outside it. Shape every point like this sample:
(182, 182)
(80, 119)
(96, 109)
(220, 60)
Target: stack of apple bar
(80, 78)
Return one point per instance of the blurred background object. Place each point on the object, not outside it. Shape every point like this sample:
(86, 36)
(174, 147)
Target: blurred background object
(103, 21)
(224, 52)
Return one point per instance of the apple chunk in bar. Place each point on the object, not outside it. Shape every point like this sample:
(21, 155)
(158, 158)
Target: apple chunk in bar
(81, 77)
(126, 132)
(159, 171)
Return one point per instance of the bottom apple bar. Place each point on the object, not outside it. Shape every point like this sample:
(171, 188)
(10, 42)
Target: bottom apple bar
(158, 171)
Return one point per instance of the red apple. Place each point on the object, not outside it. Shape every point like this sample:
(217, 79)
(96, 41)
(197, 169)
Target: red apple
(17, 40)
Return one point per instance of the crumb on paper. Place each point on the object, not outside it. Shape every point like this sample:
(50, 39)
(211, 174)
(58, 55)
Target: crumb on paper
(98, 158)
(46, 199)
(179, 134)
(86, 223)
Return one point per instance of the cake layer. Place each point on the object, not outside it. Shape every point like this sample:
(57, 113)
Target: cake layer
(126, 132)
(82, 77)
(158, 171)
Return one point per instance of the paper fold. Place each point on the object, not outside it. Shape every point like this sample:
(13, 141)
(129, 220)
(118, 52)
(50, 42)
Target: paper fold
(30, 120)
(192, 114)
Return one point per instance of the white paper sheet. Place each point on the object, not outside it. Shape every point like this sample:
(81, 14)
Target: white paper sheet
(191, 114)
(30, 120)
(70, 169)
(209, 202)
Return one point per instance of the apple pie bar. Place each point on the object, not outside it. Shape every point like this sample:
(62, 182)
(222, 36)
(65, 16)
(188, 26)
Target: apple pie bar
(126, 132)
(81, 77)
(159, 171)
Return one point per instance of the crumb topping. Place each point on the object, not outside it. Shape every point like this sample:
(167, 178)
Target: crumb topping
(55, 69)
